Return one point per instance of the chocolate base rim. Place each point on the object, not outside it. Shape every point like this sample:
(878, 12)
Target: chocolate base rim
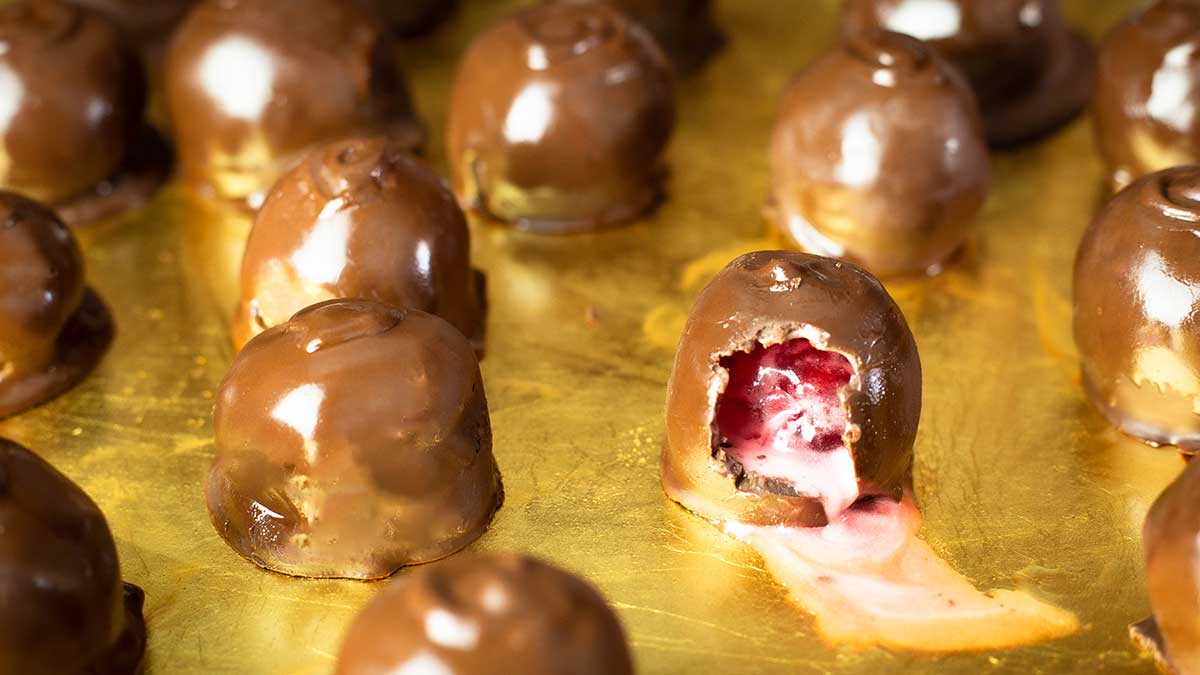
(241, 318)
(79, 348)
(1056, 100)
(1185, 444)
(1147, 638)
(126, 656)
(144, 171)
(440, 551)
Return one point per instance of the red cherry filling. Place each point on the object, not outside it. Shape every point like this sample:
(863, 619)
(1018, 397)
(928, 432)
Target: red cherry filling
(780, 425)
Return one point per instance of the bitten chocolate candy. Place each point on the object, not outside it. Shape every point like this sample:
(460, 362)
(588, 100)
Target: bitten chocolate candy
(486, 615)
(359, 218)
(878, 156)
(53, 330)
(796, 389)
(1031, 72)
(684, 28)
(351, 441)
(1137, 309)
(1172, 569)
(71, 114)
(558, 119)
(65, 609)
(1148, 91)
(252, 84)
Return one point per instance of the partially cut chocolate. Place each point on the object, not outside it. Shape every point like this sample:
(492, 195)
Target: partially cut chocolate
(351, 441)
(685, 29)
(359, 218)
(65, 610)
(486, 615)
(1148, 90)
(252, 84)
(558, 119)
(796, 390)
(71, 127)
(1030, 70)
(1137, 309)
(53, 330)
(878, 156)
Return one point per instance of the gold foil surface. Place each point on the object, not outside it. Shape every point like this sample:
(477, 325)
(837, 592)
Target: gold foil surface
(1022, 484)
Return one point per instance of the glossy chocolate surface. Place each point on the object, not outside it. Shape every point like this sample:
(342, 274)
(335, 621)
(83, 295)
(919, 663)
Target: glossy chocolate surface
(772, 297)
(72, 94)
(683, 28)
(558, 119)
(878, 156)
(359, 218)
(1137, 309)
(252, 84)
(1148, 91)
(65, 610)
(486, 615)
(351, 441)
(1030, 70)
(53, 330)
(1173, 569)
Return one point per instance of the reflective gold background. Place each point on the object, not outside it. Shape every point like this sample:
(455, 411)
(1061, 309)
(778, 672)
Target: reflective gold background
(1020, 481)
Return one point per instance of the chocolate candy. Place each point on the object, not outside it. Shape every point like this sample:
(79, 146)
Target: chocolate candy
(71, 120)
(486, 615)
(149, 23)
(796, 387)
(684, 28)
(361, 219)
(558, 118)
(1031, 71)
(252, 84)
(65, 610)
(1137, 309)
(1148, 90)
(409, 18)
(878, 156)
(1172, 569)
(351, 441)
(53, 330)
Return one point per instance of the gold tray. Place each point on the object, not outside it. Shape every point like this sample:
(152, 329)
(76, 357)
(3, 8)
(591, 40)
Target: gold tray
(1021, 483)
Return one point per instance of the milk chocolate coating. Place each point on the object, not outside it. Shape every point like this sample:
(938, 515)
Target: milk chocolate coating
(1147, 91)
(359, 218)
(409, 18)
(1137, 309)
(878, 156)
(1173, 568)
(252, 84)
(53, 330)
(767, 298)
(683, 28)
(486, 615)
(351, 441)
(558, 119)
(73, 97)
(65, 610)
(1031, 72)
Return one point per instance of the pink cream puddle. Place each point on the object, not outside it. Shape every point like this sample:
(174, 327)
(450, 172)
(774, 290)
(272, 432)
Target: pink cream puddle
(865, 577)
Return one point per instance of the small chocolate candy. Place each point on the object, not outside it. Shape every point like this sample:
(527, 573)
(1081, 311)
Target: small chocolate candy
(1169, 537)
(71, 124)
(1137, 309)
(359, 218)
(1030, 70)
(351, 441)
(796, 387)
(65, 609)
(53, 330)
(1148, 91)
(486, 615)
(879, 157)
(252, 84)
(409, 18)
(684, 28)
(558, 119)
